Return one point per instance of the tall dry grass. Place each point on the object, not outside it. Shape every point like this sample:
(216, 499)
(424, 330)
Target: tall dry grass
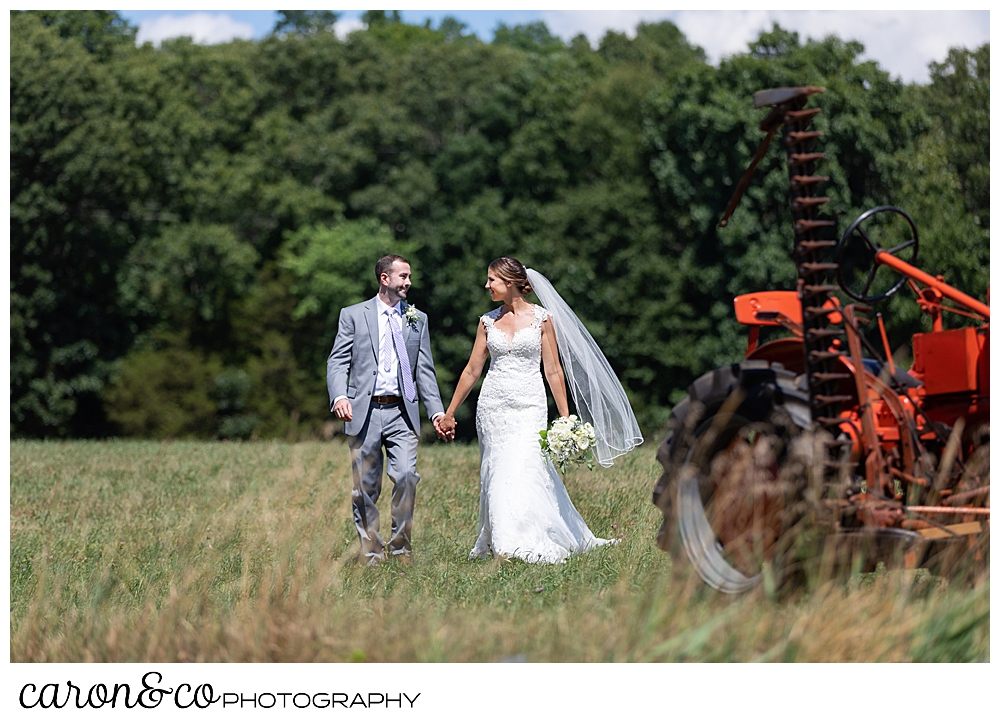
(142, 551)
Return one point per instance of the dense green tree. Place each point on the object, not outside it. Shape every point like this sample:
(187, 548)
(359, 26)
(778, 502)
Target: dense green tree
(532, 37)
(76, 207)
(305, 22)
(187, 278)
(375, 18)
(165, 390)
(454, 30)
(333, 267)
(959, 98)
(101, 32)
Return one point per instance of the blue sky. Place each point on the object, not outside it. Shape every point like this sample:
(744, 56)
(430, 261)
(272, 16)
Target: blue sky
(481, 22)
(902, 42)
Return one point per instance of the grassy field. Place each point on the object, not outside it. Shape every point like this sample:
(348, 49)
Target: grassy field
(223, 552)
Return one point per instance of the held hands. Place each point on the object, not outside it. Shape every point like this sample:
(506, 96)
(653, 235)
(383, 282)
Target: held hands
(445, 426)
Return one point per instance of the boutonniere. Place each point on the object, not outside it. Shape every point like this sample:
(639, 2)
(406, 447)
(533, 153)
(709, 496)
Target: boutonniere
(411, 315)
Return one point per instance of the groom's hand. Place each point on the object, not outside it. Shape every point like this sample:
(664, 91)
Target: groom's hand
(445, 427)
(343, 410)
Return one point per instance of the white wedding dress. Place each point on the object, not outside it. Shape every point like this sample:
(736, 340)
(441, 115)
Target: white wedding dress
(524, 509)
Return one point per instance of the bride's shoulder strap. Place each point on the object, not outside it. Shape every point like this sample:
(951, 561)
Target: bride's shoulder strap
(490, 316)
(541, 314)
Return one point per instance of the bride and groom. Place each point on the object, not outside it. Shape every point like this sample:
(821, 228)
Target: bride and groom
(381, 367)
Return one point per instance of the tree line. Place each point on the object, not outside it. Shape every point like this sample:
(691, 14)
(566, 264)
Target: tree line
(187, 221)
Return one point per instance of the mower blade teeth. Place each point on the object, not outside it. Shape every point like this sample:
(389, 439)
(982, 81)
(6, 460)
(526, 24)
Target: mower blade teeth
(797, 138)
(826, 399)
(822, 377)
(811, 267)
(816, 334)
(805, 226)
(816, 357)
(796, 160)
(801, 116)
(802, 202)
(798, 182)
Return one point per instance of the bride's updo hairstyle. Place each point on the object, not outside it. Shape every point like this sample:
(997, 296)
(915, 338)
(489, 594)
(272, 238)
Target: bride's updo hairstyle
(510, 269)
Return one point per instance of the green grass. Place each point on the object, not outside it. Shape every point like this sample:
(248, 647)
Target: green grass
(223, 552)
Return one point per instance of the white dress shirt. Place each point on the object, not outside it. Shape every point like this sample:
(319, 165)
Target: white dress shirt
(387, 382)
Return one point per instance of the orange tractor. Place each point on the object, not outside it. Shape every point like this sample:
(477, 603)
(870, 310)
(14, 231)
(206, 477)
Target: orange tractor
(816, 445)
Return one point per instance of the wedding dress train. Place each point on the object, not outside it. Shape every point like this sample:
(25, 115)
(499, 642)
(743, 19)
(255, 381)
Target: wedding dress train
(524, 509)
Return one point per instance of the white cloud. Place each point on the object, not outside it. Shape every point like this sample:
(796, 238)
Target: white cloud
(346, 26)
(902, 42)
(204, 28)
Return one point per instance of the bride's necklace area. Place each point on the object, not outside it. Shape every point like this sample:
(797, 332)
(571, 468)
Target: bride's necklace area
(510, 310)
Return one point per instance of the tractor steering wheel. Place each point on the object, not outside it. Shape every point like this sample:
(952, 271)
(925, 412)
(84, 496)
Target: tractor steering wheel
(874, 249)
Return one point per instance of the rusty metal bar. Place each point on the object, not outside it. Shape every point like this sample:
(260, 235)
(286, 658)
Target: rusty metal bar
(745, 181)
(908, 477)
(971, 494)
(885, 343)
(875, 467)
(928, 509)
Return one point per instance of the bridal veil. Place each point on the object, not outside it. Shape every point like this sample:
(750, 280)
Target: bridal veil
(596, 390)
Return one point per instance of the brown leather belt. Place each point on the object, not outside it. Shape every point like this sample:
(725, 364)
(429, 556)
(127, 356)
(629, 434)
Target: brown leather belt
(387, 399)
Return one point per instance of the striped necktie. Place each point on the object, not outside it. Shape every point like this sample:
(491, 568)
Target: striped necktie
(404, 359)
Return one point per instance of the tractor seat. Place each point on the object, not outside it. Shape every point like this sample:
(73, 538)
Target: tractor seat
(900, 378)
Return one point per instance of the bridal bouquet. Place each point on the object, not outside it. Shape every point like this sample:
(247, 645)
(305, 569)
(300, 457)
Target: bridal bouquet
(568, 441)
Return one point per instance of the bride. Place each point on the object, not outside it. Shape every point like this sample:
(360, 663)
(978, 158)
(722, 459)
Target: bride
(524, 509)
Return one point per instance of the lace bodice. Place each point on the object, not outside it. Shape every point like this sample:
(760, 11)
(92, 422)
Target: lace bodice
(522, 350)
(512, 399)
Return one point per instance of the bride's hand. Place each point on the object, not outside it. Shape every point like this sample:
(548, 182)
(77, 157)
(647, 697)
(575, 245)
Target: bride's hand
(446, 427)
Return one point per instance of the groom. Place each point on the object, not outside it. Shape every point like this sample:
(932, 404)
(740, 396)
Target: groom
(379, 369)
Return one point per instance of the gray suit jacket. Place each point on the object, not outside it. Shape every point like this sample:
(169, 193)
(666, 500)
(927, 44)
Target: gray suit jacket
(353, 363)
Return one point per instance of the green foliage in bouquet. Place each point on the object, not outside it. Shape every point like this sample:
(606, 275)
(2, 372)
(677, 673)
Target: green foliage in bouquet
(568, 441)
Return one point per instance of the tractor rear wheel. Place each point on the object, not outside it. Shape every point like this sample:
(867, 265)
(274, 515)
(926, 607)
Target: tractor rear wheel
(734, 469)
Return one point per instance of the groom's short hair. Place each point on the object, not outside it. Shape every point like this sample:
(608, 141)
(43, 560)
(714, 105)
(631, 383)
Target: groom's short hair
(384, 265)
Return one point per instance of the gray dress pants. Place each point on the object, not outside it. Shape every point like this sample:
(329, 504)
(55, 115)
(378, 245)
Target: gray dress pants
(386, 427)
